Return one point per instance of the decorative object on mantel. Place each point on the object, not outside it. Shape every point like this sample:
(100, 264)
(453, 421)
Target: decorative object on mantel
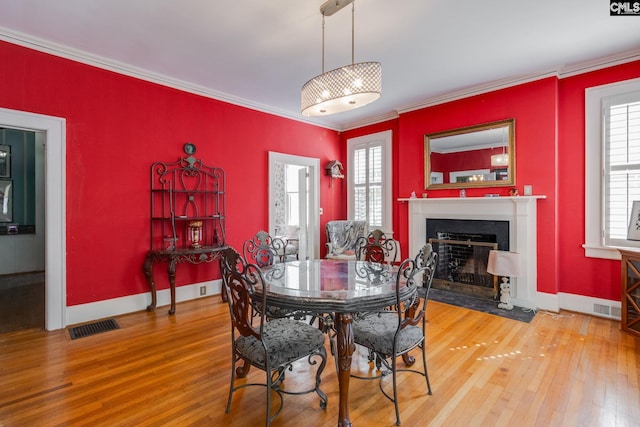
(413, 195)
(513, 191)
(345, 88)
(505, 264)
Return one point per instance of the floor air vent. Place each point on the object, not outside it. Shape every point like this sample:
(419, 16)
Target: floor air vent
(93, 328)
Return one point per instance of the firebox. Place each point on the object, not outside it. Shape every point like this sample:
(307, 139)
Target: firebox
(463, 250)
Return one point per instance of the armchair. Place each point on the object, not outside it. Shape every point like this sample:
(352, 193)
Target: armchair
(290, 234)
(342, 236)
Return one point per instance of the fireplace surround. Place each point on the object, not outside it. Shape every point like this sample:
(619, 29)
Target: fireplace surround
(519, 211)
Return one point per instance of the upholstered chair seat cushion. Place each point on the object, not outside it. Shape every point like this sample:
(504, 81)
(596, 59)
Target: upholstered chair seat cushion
(286, 339)
(376, 330)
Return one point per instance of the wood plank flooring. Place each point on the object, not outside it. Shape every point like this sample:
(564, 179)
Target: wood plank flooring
(160, 370)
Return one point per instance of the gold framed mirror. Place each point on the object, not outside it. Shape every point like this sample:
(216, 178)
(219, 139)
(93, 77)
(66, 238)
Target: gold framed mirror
(474, 156)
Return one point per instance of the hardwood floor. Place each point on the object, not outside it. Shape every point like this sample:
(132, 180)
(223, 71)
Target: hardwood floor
(21, 301)
(156, 370)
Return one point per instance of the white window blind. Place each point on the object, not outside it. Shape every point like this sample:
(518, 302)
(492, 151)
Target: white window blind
(367, 184)
(621, 165)
(369, 174)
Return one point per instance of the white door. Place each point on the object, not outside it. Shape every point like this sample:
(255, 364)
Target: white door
(309, 206)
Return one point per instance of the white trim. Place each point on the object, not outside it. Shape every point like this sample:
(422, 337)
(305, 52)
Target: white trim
(55, 217)
(314, 189)
(594, 97)
(386, 137)
(520, 211)
(585, 304)
(116, 306)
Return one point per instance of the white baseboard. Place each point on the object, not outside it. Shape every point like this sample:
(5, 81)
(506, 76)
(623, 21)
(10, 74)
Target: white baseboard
(590, 305)
(572, 302)
(113, 307)
(83, 313)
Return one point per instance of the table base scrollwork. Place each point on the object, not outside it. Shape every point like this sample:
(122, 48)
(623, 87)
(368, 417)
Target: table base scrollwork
(173, 258)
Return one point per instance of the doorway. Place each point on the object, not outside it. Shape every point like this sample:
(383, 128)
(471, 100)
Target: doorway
(22, 230)
(294, 199)
(50, 132)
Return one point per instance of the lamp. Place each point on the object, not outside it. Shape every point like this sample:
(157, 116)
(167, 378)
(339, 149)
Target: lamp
(345, 88)
(500, 160)
(505, 264)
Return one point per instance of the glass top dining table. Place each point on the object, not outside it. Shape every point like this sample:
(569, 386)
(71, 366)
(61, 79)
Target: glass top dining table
(339, 287)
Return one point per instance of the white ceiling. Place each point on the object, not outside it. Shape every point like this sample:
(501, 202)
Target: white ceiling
(259, 53)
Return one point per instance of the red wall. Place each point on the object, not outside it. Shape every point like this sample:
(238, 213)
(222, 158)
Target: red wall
(577, 273)
(550, 156)
(533, 106)
(116, 127)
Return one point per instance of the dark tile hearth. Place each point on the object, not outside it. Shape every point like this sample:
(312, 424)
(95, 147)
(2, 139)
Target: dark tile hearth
(480, 304)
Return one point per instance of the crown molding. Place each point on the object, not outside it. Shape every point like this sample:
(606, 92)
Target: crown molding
(560, 72)
(599, 63)
(77, 55)
(83, 57)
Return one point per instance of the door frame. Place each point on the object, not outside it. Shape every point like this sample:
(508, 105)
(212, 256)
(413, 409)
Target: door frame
(53, 130)
(313, 164)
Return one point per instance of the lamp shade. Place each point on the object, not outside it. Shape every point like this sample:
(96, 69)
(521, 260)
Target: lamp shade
(498, 160)
(503, 263)
(342, 89)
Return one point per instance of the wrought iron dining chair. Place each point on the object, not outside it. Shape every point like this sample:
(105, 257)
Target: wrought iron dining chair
(376, 247)
(394, 332)
(273, 345)
(263, 249)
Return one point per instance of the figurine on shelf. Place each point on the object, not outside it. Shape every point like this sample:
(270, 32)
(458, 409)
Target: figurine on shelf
(171, 243)
(513, 191)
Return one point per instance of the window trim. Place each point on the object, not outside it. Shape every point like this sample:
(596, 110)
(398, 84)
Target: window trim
(594, 155)
(387, 174)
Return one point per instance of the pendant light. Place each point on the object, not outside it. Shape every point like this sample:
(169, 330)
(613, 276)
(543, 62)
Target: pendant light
(345, 88)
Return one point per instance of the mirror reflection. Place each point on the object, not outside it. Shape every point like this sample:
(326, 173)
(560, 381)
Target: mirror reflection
(474, 156)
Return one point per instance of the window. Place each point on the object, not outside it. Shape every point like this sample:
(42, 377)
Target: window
(612, 166)
(369, 175)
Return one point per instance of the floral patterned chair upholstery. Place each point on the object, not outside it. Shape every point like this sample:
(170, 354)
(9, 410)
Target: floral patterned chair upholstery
(342, 236)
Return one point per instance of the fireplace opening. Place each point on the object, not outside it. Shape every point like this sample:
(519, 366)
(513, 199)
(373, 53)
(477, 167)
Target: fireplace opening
(463, 251)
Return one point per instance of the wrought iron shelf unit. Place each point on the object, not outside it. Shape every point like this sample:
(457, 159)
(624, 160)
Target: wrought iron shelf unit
(188, 212)
(184, 193)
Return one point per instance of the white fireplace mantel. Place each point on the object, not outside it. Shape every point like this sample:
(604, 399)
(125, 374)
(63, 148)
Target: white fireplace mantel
(520, 211)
